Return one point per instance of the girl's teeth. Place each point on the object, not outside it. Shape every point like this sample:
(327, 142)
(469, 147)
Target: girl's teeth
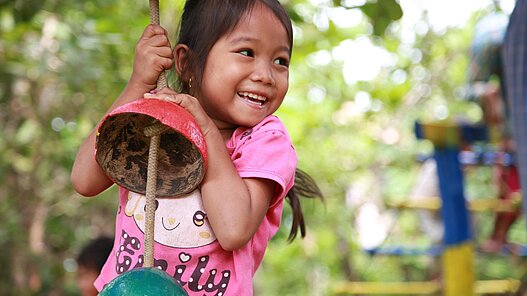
(253, 96)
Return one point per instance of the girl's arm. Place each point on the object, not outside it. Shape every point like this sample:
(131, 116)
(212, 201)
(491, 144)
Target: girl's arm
(153, 55)
(235, 206)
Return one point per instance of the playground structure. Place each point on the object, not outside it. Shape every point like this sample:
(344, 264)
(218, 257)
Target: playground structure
(457, 251)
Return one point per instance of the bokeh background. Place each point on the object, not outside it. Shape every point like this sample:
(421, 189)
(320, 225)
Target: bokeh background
(362, 73)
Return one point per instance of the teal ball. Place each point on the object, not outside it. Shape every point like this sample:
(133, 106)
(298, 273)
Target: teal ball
(143, 282)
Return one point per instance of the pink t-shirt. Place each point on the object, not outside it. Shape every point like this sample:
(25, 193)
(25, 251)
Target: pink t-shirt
(186, 246)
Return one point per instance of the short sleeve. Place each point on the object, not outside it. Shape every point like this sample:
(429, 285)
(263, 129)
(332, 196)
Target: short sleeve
(267, 154)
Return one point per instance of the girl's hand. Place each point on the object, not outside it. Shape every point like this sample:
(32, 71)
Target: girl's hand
(190, 103)
(153, 55)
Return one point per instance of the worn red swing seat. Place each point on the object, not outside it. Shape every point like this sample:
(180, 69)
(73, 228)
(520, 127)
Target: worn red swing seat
(122, 147)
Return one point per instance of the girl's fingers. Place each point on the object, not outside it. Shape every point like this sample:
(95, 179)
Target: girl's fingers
(165, 51)
(155, 46)
(164, 94)
(172, 98)
(159, 41)
(164, 63)
(152, 30)
(183, 100)
(188, 102)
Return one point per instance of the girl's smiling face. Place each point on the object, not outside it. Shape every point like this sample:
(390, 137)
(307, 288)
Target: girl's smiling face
(246, 74)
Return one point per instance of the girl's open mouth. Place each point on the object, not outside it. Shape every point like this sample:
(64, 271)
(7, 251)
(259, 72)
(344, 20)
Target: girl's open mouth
(253, 98)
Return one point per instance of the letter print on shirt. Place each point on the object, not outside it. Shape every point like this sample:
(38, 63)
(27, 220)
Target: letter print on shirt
(179, 223)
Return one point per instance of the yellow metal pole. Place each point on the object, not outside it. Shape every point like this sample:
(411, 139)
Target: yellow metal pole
(458, 270)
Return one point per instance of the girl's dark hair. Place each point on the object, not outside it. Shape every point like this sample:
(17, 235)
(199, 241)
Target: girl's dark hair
(304, 186)
(204, 22)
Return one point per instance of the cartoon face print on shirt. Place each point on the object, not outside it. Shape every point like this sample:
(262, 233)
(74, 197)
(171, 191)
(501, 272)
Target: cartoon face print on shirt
(179, 222)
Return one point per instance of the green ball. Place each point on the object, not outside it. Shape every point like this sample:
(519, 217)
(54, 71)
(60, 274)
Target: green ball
(143, 282)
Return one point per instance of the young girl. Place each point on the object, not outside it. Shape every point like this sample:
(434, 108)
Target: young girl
(232, 59)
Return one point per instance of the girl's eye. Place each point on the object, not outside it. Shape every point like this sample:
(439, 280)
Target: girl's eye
(247, 52)
(282, 62)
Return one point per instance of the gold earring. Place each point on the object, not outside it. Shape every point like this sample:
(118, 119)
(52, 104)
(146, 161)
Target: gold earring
(190, 83)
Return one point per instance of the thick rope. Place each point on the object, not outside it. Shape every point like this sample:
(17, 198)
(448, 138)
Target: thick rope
(154, 19)
(154, 131)
(151, 184)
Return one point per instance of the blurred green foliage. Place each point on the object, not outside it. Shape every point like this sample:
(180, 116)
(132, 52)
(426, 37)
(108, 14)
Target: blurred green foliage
(62, 63)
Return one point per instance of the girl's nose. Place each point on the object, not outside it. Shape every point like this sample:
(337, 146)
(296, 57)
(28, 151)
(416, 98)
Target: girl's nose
(263, 72)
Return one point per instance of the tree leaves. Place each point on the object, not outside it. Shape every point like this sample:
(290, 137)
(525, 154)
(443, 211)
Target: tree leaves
(381, 14)
(23, 10)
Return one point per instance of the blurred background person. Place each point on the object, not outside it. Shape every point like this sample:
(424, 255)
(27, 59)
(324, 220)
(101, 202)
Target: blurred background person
(90, 262)
(487, 87)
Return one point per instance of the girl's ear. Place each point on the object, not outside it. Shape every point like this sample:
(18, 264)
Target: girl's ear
(181, 53)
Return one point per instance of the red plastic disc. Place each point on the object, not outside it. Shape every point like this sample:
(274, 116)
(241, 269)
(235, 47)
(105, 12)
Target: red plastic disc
(122, 147)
